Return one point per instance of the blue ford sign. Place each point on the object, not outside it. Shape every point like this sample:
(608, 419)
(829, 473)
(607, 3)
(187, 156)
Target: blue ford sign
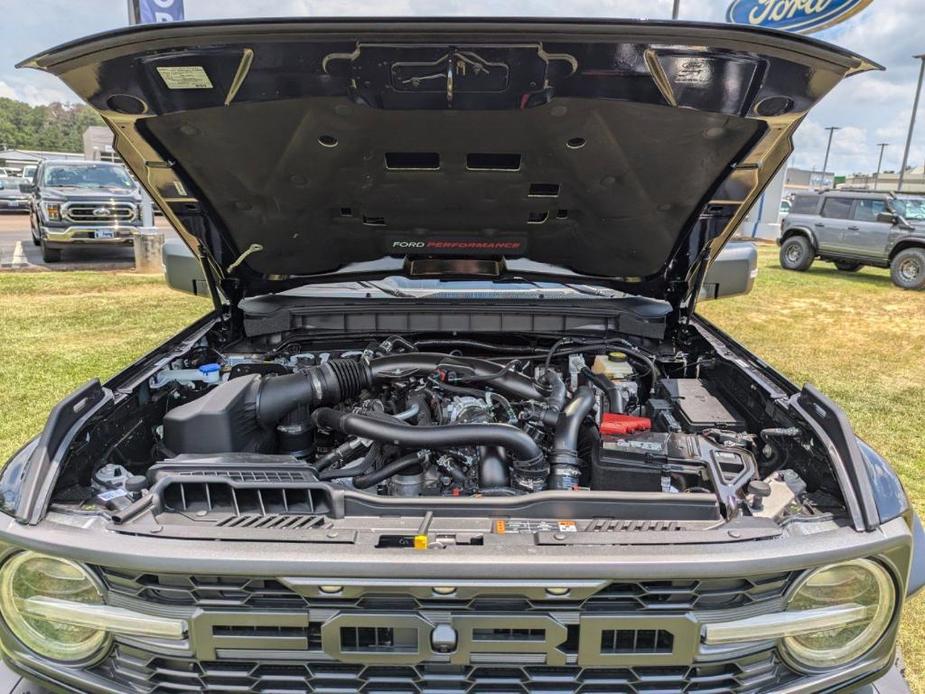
(804, 16)
(151, 11)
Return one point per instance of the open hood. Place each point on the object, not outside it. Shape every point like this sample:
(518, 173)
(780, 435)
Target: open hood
(294, 151)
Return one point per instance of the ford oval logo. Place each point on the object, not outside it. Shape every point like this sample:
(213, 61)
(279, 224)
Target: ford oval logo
(804, 16)
(101, 212)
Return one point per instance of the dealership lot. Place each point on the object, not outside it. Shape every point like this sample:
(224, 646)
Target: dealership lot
(17, 252)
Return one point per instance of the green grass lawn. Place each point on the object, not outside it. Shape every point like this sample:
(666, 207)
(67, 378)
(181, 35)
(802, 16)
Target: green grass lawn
(858, 338)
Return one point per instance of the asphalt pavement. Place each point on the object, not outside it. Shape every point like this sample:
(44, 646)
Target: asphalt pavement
(17, 252)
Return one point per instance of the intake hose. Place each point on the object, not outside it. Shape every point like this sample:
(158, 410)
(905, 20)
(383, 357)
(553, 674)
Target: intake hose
(555, 401)
(339, 379)
(371, 479)
(530, 468)
(564, 459)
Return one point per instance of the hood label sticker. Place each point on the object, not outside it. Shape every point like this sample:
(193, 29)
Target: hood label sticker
(516, 526)
(185, 77)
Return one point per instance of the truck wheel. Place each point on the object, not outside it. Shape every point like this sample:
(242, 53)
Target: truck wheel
(847, 266)
(796, 253)
(50, 255)
(908, 269)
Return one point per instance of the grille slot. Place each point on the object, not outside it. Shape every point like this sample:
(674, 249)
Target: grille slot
(378, 640)
(87, 212)
(636, 641)
(153, 674)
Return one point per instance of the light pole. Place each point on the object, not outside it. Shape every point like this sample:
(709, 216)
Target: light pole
(915, 107)
(828, 147)
(675, 9)
(882, 146)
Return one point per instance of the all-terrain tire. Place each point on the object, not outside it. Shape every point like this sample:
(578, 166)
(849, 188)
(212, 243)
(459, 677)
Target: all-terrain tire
(50, 255)
(848, 266)
(796, 253)
(907, 269)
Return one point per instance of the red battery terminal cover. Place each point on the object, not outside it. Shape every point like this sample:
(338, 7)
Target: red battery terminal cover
(617, 424)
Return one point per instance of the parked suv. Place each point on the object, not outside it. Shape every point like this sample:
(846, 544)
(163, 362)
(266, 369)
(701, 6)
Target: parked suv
(453, 424)
(82, 202)
(854, 229)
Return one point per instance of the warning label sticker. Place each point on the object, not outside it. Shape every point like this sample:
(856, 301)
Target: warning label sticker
(515, 526)
(185, 77)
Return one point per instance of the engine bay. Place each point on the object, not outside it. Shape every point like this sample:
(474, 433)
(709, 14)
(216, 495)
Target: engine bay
(408, 417)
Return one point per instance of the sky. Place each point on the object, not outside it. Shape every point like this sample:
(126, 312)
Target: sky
(869, 108)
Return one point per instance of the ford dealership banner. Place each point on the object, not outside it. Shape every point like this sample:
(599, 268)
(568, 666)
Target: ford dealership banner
(151, 11)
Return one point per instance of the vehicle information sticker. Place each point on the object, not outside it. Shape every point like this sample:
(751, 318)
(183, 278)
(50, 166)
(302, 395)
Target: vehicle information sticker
(185, 77)
(514, 526)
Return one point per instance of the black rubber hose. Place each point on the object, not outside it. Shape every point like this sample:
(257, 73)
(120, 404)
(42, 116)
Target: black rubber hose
(512, 383)
(518, 443)
(339, 379)
(373, 478)
(608, 387)
(478, 344)
(565, 445)
(555, 401)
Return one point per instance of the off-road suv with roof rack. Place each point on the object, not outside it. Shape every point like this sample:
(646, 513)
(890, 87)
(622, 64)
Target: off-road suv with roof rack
(853, 229)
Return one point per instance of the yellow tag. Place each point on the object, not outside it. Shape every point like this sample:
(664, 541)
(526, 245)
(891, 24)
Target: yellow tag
(420, 541)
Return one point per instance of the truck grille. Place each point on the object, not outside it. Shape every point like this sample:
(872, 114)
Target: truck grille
(151, 674)
(99, 213)
(648, 596)
(274, 636)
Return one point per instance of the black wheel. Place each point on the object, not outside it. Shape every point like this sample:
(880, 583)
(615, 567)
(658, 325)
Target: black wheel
(796, 253)
(50, 255)
(907, 270)
(848, 266)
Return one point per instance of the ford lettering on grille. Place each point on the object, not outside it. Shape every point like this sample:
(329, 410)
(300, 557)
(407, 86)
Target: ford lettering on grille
(409, 638)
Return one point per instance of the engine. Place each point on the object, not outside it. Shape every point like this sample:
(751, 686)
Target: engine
(389, 419)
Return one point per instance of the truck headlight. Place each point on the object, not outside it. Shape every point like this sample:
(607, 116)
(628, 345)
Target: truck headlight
(29, 576)
(52, 211)
(862, 585)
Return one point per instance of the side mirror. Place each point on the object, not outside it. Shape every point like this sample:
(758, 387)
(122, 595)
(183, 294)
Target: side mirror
(732, 273)
(183, 270)
(26, 188)
(888, 218)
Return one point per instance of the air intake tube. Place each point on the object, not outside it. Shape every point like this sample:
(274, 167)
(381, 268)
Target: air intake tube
(564, 458)
(339, 379)
(530, 468)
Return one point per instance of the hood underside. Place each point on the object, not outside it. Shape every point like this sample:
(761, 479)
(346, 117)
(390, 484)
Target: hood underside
(297, 151)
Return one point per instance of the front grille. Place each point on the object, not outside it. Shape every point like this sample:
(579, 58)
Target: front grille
(261, 635)
(645, 596)
(99, 213)
(151, 674)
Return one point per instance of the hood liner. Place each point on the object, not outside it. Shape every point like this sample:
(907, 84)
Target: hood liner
(317, 149)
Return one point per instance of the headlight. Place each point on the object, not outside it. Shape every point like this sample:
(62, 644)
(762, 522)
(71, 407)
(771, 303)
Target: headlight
(29, 578)
(862, 585)
(52, 211)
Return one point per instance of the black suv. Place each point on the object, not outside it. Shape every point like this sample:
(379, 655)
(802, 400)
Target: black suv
(453, 423)
(81, 203)
(854, 229)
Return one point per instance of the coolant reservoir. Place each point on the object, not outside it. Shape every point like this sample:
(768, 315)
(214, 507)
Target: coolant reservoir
(613, 366)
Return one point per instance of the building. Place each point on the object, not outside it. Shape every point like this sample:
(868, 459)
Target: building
(802, 180)
(98, 144)
(913, 182)
(16, 159)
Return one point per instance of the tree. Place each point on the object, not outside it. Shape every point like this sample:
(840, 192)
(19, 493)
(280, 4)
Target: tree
(53, 127)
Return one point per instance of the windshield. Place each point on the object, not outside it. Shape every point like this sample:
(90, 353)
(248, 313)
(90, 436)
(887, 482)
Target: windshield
(912, 209)
(405, 288)
(87, 176)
